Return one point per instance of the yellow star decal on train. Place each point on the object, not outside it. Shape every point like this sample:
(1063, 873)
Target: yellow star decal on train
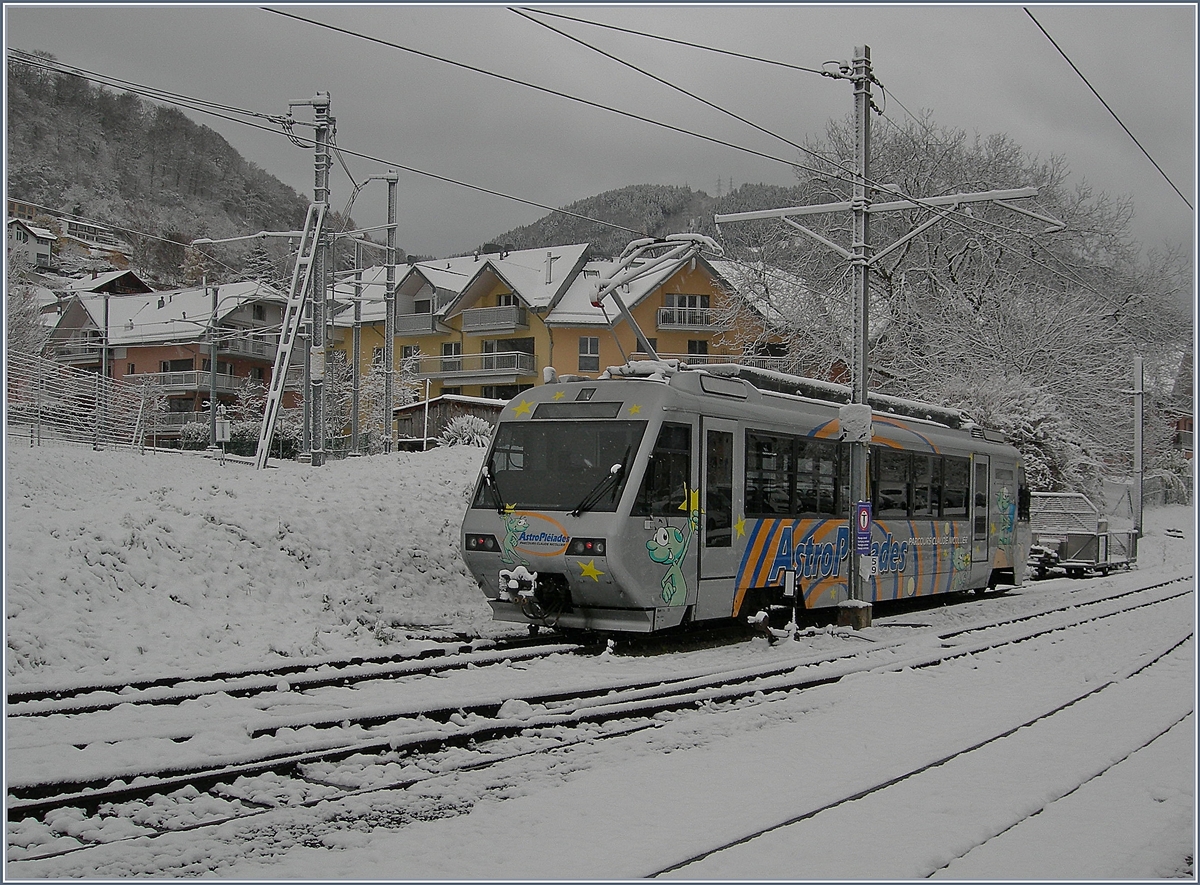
(522, 408)
(589, 570)
(510, 509)
(560, 395)
(635, 409)
(740, 526)
(691, 501)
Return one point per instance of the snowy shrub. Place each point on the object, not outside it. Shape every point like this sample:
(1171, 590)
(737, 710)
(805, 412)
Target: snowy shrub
(193, 436)
(467, 430)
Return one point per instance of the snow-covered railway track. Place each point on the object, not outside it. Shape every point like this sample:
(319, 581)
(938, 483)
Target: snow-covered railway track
(1060, 768)
(71, 699)
(315, 772)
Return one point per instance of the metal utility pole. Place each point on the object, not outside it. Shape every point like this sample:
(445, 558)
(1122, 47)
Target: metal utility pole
(855, 418)
(324, 123)
(212, 364)
(1138, 469)
(389, 322)
(859, 444)
(356, 357)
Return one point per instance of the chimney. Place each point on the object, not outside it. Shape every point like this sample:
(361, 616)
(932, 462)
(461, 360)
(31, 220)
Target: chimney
(549, 268)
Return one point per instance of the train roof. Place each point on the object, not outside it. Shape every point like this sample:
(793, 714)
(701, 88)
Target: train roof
(782, 384)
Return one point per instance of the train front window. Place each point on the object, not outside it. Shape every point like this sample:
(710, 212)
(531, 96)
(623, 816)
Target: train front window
(557, 465)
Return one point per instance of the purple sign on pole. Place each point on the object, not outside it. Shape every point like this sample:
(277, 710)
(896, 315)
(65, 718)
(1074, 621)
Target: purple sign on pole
(862, 528)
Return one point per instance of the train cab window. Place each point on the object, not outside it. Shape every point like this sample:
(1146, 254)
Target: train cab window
(891, 486)
(955, 487)
(668, 474)
(718, 489)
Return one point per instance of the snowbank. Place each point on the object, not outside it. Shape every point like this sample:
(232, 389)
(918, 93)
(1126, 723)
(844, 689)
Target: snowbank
(138, 564)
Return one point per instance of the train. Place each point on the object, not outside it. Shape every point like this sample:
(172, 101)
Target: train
(660, 496)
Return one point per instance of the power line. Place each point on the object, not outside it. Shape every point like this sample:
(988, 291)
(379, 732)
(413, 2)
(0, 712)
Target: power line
(306, 142)
(755, 58)
(1107, 108)
(544, 89)
(835, 177)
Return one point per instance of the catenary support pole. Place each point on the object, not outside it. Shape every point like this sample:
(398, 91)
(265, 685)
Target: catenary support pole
(389, 321)
(1138, 467)
(323, 122)
(355, 357)
(858, 613)
(212, 364)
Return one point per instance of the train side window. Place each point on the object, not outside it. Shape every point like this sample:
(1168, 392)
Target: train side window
(955, 487)
(925, 489)
(770, 473)
(891, 484)
(668, 473)
(816, 477)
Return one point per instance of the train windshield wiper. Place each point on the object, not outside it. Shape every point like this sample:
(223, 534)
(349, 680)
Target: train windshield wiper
(490, 482)
(607, 484)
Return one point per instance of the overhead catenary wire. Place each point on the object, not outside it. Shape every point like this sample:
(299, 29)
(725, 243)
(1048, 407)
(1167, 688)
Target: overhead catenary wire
(1107, 107)
(203, 106)
(952, 218)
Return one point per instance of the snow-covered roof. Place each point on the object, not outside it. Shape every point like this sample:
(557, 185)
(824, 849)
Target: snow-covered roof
(181, 314)
(523, 271)
(40, 232)
(538, 277)
(575, 307)
(94, 284)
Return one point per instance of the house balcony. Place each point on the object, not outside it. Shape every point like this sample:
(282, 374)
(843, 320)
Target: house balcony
(188, 382)
(693, 319)
(478, 368)
(90, 350)
(77, 350)
(247, 347)
(411, 325)
(490, 320)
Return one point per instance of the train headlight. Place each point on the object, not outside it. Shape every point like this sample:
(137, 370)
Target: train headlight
(486, 543)
(587, 547)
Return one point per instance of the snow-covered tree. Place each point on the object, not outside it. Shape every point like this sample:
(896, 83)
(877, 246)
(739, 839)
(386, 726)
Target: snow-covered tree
(983, 297)
(24, 330)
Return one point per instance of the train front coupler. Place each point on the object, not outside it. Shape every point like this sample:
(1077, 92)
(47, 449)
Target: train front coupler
(519, 586)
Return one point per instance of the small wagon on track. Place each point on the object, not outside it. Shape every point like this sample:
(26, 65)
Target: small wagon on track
(1069, 533)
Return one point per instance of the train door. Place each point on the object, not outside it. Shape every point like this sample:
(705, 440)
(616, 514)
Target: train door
(981, 515)
(718, 487)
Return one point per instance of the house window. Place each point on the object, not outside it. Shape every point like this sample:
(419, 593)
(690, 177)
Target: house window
(697, 347)
(410, 351)
(178, 365)
(377, 356)
(506, 299)
(130, 370)
(589, 354)
(422, 307)
(452, 356)
(258, 373)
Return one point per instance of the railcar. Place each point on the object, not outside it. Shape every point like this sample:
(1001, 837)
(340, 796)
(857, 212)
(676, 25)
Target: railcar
(658, 496)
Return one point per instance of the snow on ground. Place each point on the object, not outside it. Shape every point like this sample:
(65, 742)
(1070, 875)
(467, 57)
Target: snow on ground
(121, 565)
(126, 565)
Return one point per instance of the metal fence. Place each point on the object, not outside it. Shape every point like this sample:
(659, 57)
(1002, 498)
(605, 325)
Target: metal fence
(62, 403)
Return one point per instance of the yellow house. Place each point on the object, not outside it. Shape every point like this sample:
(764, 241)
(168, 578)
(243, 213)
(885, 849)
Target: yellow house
(489, 325)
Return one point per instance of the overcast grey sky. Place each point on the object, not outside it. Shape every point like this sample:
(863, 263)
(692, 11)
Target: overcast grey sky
(980, 68)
